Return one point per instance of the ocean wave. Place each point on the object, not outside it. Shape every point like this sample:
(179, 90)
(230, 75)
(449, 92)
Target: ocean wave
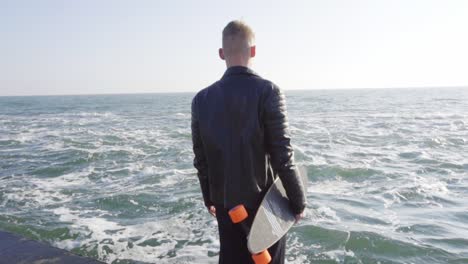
(164, 241)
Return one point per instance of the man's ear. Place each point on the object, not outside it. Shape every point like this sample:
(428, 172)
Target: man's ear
(253, 51)
(221, 53)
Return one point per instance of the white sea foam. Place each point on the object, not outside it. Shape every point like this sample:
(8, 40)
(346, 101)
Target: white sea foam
(339, 255)
(77, 179)
(183, 115)
(47, 191)
(326, 214)
(332, 187)
(169, 180)
(166, 233)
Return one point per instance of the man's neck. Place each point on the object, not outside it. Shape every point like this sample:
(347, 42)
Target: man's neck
(237, 62)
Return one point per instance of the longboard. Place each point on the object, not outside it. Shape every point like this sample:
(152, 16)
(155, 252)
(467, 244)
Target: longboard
(274, 216)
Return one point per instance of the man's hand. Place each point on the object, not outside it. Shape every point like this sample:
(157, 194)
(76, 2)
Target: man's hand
(212, 210)
(299, 217)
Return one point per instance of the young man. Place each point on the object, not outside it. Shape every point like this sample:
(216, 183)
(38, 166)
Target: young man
(241, 144)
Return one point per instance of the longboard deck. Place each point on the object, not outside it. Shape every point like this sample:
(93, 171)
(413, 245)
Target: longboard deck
(274, 217)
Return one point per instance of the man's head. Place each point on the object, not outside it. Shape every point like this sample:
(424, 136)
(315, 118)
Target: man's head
(238, 44)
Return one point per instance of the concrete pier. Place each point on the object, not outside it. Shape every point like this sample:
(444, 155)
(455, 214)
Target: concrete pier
(15, 249)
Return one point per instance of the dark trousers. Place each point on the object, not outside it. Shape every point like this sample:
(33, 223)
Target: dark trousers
(233, 241)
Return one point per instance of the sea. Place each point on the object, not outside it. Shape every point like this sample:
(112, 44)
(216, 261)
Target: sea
(111, 176)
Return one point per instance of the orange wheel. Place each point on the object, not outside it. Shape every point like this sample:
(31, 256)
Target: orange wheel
(262, 257)
(238, 214)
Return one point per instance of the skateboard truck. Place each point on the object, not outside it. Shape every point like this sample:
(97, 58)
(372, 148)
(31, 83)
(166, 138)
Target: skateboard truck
(238, 214)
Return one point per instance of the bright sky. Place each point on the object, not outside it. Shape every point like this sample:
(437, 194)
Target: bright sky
(109, 46)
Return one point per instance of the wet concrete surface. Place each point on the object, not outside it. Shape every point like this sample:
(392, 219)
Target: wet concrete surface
(15, 249)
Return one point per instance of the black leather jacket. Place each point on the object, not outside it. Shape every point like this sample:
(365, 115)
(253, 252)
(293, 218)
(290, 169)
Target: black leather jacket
(241, 141)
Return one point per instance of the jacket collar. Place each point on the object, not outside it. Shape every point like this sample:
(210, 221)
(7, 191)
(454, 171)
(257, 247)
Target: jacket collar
(237, 70)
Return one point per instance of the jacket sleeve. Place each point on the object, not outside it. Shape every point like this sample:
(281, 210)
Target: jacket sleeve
(199, 160)
(278, 146)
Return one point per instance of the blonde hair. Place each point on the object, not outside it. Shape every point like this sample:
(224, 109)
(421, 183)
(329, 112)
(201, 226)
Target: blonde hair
(238, 37)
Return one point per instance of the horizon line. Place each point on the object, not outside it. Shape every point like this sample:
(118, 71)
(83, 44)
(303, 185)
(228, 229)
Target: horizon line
(180, 92)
